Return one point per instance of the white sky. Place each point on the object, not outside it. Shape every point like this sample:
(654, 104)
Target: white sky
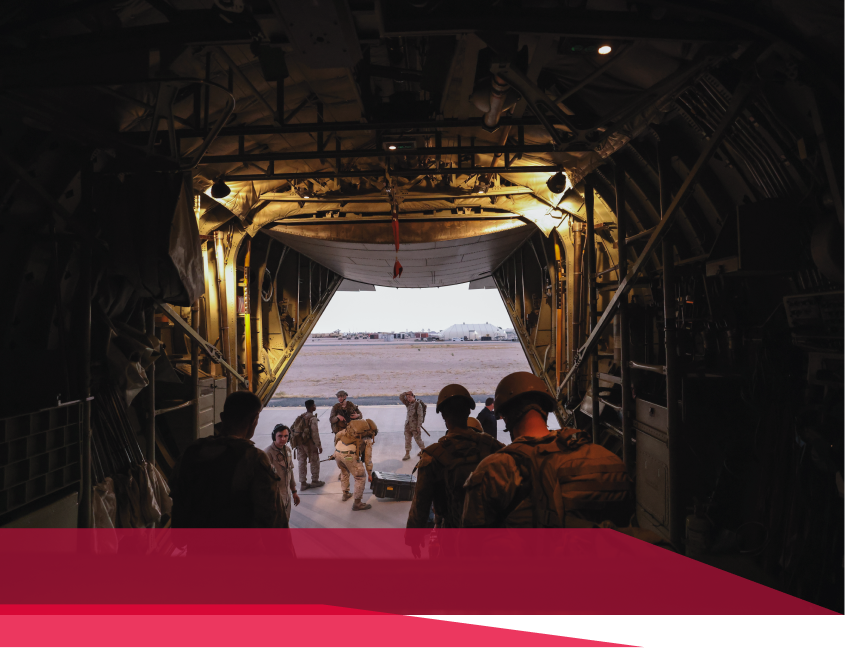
(412, 309)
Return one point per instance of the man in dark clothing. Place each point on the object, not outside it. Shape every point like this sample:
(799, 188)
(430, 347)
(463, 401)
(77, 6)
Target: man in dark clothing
(445, 465)
(488, 419)
(225, 481)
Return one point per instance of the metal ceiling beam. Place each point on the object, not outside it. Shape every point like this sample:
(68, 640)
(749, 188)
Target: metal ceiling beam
(398, 20)
(402, 196)
(346, 127)
(662, 228)
(373, 153)
(198, 28)
(378, 173)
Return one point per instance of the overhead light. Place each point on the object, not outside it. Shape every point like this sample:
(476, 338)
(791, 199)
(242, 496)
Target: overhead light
(400, 145)
(304, 190)
(556, 183)
(220, 189)
(605, 49)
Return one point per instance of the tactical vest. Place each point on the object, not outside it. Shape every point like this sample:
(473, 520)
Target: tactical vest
(568, 475)
(347, 410)
(459, 456)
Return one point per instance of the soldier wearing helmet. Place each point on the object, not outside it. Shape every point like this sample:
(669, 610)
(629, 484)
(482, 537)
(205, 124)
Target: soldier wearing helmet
(445, 465)
(342, 412)
(545, 478)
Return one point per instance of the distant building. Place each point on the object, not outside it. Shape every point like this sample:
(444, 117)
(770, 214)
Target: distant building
(472, 332)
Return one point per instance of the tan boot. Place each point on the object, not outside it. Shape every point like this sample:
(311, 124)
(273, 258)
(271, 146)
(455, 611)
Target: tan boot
(359, 506)
(304, 486)
(346, 495)
(317, 484)
(407, 456)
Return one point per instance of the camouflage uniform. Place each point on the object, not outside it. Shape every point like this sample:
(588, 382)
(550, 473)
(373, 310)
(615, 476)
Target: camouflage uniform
(346, 456)
(442, 471)
(282, 463)
(309, 449)
(225, 482)
(365, 431)
(413, 421)
(347, 409)
(584, 483)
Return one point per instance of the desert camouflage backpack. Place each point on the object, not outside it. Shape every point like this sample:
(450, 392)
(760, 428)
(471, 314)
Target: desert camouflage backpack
(296, 437)
(567, 474)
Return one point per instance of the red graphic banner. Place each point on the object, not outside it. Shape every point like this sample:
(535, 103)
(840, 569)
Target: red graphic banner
(202, 587)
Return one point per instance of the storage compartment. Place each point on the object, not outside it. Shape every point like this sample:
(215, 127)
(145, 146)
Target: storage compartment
(394, 486)
(39, 454)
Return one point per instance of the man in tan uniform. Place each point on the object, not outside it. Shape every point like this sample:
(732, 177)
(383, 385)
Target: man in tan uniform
(342, 412)
(445, 465)
(413, 421)
(225, 481)
(347, 454)
(308, 446)
(545, 478)
(280, 458)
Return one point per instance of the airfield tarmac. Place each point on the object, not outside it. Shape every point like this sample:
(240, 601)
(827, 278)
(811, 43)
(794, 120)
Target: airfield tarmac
(366, 368)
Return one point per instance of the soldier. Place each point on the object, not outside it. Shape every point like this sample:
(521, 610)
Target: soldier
(280, 458)
(225, 481)
(306, 441)
(544, 478)
(343, 411)
(413, 421)
(446, 464)
(347, 454)
(366, 432)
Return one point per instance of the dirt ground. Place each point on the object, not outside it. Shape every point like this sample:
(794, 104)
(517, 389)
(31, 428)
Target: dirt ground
(373, 368)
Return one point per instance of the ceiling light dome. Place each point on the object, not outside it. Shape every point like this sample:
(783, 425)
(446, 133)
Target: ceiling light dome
(220, 189)
(556, 183)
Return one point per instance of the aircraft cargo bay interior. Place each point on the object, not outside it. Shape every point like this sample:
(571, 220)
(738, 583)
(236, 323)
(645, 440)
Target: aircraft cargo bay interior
(652, 188)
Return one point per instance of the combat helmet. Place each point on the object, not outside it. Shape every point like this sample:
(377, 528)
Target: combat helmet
(372, 425)
(341, 393)
(523, 383)
(454, 391)
(475, 424)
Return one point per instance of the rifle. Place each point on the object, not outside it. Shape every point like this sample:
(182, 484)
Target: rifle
(424, 430)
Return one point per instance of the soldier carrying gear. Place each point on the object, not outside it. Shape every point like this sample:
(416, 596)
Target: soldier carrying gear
(348, 450)
(413, 421)
(544, 478)
(366, 431)
(342, 412)
(445, 465)
(306, 441)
